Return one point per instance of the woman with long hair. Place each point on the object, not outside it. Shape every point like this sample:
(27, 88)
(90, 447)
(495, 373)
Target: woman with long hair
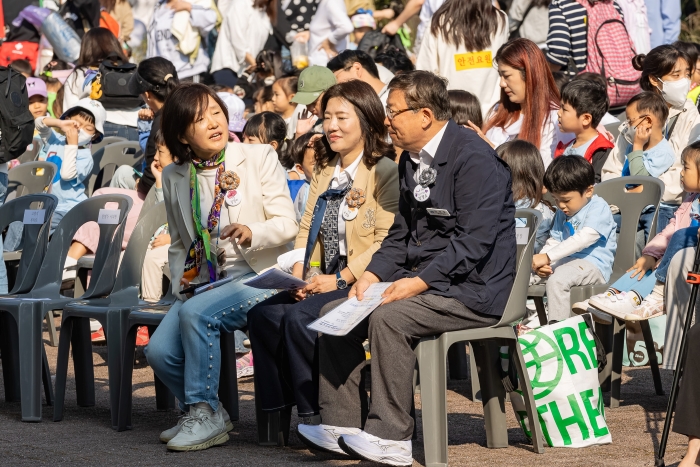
(99, 44)
(246, 26)
(529, 100)
(461, 43)
(230, 216)
(352, 201)
(666, 71)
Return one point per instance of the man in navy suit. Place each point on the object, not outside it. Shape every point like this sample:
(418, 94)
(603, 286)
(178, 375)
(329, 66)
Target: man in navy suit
(450, 256)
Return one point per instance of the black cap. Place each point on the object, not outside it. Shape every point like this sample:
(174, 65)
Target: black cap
(137, 85)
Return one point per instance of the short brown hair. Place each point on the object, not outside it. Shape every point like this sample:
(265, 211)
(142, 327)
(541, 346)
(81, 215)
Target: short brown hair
(183, 106)
(371, 115)
(424, 89)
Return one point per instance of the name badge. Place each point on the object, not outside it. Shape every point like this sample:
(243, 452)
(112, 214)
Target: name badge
(438, 212)
(471, 60)
(233, 198)
(521, 235)
(108, 216)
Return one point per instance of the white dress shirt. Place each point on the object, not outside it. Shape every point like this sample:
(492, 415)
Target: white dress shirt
(426, 155)
(341, 179)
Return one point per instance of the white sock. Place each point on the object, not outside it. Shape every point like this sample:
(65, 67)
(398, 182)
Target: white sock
(658, 291)
(69, 274)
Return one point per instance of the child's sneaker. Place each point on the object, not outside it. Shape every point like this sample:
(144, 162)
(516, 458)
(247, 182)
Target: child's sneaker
(244, 366)
(629, 306)
(142, 337)
(581, 308)
(651, 307)
(98, 336)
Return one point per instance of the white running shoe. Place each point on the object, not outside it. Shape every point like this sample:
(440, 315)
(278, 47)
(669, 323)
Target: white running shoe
(201, 430)
(170, 433)
(581, 308)
(324, 437)
(629, 306)
(369, 447)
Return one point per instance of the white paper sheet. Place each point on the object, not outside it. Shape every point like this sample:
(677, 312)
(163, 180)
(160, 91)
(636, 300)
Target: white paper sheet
(275, 279)
(342, 319)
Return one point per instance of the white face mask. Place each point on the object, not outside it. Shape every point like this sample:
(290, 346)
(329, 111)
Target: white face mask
(675, 92)
(84, 138)
(628, 132)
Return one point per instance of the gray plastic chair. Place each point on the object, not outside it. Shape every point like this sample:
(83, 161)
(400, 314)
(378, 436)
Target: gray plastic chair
(29, 308)
(111, 312)
(631, 206)
(108, 159)
(31, 154)
(431, 353)
(614, 129)
(148, 202)
(36, 239)
(106, 141)
(24, 180)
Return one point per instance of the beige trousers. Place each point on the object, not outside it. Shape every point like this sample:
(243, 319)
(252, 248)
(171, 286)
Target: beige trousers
(155, 265)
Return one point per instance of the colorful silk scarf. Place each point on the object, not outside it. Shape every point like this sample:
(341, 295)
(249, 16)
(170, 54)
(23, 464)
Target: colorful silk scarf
(202, 242)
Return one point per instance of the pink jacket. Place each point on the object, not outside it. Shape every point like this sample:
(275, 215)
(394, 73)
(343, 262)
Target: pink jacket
(657, 246)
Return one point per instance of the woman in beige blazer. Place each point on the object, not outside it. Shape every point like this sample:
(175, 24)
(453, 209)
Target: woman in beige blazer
(230, 216)
(352, 201)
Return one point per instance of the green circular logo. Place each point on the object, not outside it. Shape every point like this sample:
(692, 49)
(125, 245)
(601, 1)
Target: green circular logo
(538, 349)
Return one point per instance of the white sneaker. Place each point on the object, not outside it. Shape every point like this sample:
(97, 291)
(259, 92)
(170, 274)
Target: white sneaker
(581, 308)
(202, 429)
(369, 447)
(324, 437)
(170, 433)
(629, 306)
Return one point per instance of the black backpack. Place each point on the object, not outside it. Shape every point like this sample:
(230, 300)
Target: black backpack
(113, 80)
(16, 121)
(376, 42)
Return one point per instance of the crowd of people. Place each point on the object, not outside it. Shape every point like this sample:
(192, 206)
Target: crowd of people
(324, 138)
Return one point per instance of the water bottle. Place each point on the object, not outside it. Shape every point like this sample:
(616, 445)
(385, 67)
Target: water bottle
(314, 270)
(63, 39)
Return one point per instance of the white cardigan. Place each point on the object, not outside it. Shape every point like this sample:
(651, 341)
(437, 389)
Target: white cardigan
(330, 22)
(438, 56)
(244, 30)
(266, 208)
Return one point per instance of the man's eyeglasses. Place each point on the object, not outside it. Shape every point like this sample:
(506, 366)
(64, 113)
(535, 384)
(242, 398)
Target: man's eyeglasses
(391, 114)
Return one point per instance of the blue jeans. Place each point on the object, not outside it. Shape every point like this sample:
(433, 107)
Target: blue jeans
(3, 269)
(642, 287)
(666, 213)
(185, 350)
(129, 132)
(682, 238)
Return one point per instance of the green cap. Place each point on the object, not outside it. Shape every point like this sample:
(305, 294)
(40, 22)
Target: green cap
(313, 81)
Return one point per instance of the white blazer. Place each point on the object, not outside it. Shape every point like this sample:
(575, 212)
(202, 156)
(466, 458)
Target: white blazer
(266, 209)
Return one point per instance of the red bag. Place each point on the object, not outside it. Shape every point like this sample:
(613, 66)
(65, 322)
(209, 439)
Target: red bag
(10, 51)
(610, 51)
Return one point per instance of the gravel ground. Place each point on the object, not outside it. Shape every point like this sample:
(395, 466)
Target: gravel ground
(85, 437)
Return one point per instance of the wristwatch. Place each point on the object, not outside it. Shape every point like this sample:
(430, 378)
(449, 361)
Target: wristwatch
(340, 282)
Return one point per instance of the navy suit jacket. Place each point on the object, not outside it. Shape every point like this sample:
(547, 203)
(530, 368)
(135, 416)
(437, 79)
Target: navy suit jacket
(471, 254)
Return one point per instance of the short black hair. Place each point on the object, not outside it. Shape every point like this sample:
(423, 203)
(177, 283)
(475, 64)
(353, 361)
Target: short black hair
(21, 66)
(586, 97)
(651, 102)
(346, 58)
(569, 173)
(465, 107)
(394, 60)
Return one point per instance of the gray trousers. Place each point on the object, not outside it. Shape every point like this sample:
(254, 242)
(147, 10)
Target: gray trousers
(567, 274)
(677, 296)
(393, 331)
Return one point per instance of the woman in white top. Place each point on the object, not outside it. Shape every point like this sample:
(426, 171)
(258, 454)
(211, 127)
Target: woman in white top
(229, 215)
(246, 26)
(99, 44)
(461, 43)
(178, 31)
(529, 100)
(328, 32)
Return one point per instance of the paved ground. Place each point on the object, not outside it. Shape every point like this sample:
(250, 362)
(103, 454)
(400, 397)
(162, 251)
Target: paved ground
(84, 437)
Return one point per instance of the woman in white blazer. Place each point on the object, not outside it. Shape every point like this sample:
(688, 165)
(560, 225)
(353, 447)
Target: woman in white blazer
(230, 215)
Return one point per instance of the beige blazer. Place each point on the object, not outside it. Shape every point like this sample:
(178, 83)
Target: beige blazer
(266, 208)
(365, 233)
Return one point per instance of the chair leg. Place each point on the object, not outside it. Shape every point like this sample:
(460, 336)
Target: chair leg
(46, 377)
(474, 375)
(82, 362)
(29, 320)
(653, 361)
(51, 324)
(62, 366)
(618, 349)
(273, 427)
(9, 350)
(115, 322)
(228, 379)
(541, 313)
(605, 333)
(125, 389)
(457, 360)
(528, 396)
(433, 397)
(493, 393)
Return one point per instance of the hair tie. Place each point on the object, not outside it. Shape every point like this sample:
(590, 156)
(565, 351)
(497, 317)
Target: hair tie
(167, 77)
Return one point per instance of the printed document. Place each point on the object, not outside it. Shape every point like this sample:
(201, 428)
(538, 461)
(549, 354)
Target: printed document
(342, 319)
(275, 279)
